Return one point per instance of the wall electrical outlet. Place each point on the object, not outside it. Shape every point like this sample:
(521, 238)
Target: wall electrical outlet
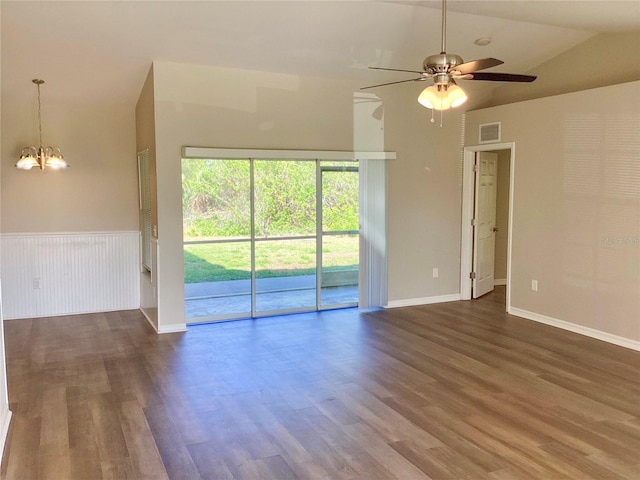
(534, 285)
(436, 273)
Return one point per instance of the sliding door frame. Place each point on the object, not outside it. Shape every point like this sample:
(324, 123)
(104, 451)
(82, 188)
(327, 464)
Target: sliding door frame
(373, 268)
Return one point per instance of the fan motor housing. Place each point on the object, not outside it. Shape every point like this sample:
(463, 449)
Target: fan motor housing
(441, 63)
(442, 79)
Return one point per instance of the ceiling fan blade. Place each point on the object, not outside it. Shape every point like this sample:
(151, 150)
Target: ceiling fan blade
(395, 70)
(419, 79)
(502, 77)
(475, 65)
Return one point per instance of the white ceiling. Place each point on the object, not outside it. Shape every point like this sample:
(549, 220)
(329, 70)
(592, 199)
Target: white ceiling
(101, 50)
(593, 15)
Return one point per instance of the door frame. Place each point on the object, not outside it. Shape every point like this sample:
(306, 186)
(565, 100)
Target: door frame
(468, 201)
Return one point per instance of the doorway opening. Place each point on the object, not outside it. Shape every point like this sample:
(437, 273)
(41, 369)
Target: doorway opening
(267, 236)
(487, 213)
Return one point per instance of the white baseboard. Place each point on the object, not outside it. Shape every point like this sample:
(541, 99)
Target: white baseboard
(146, 315)
(4, 430)
(68, 314)
(175, 328)
(572, 327)
(412, 302)
(499, 282)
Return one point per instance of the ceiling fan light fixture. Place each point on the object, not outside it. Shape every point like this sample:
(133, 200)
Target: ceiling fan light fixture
(429, 97)
(442, 97)
(445, 68)
(457, 96)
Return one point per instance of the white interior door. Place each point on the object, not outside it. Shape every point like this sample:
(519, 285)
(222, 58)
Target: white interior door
(484, 233)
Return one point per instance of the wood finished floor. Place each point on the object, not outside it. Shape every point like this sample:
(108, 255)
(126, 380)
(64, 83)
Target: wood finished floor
(450, 391)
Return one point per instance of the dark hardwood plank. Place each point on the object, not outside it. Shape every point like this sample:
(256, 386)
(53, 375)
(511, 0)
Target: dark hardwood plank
(431, 423)
(141, 445)
(275, 467)
(207, 459)
(109, 435)
(116, 470)
(85, 462)
(582, 466)
(393, 464)
(175, 457)
(23, 459)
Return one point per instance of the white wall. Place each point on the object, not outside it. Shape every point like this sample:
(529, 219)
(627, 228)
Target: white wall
(146, 140)
(590, 64)
(215, 107)
(502, 214)
(5, 413)
(576, 218)
(424, 198)
(97, 195)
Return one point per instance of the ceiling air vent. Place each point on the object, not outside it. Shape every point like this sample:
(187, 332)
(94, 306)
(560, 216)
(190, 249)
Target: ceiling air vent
(490, 132)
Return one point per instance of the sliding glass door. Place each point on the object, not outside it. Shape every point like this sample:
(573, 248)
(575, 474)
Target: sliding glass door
(265, 237)
(217, 225)
(339, 237)
(284, 198)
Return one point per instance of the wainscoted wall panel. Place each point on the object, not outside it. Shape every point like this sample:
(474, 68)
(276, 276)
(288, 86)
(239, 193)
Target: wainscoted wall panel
(68, 273)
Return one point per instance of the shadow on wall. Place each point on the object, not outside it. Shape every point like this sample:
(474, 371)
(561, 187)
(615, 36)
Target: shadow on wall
(601, 185)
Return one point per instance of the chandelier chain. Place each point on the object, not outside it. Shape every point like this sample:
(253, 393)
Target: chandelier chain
(39, 115)
(40, 156)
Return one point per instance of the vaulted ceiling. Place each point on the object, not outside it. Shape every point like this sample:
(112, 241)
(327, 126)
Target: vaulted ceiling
(101, 50)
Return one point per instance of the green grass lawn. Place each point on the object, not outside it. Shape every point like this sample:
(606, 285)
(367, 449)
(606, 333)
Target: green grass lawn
(232, 261)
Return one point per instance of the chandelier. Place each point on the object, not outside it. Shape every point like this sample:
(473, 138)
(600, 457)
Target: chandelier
(41, 156)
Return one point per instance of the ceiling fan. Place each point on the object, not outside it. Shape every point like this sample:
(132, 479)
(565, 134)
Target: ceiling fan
(445, 69)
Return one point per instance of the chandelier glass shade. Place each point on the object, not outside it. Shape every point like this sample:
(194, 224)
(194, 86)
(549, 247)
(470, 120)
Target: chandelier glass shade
(442, 97)
(41, 157)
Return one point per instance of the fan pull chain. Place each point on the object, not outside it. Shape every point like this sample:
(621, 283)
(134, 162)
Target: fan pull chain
(441, 117)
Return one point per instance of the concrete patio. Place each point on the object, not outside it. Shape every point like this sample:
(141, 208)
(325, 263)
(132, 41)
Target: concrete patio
(211, 299)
